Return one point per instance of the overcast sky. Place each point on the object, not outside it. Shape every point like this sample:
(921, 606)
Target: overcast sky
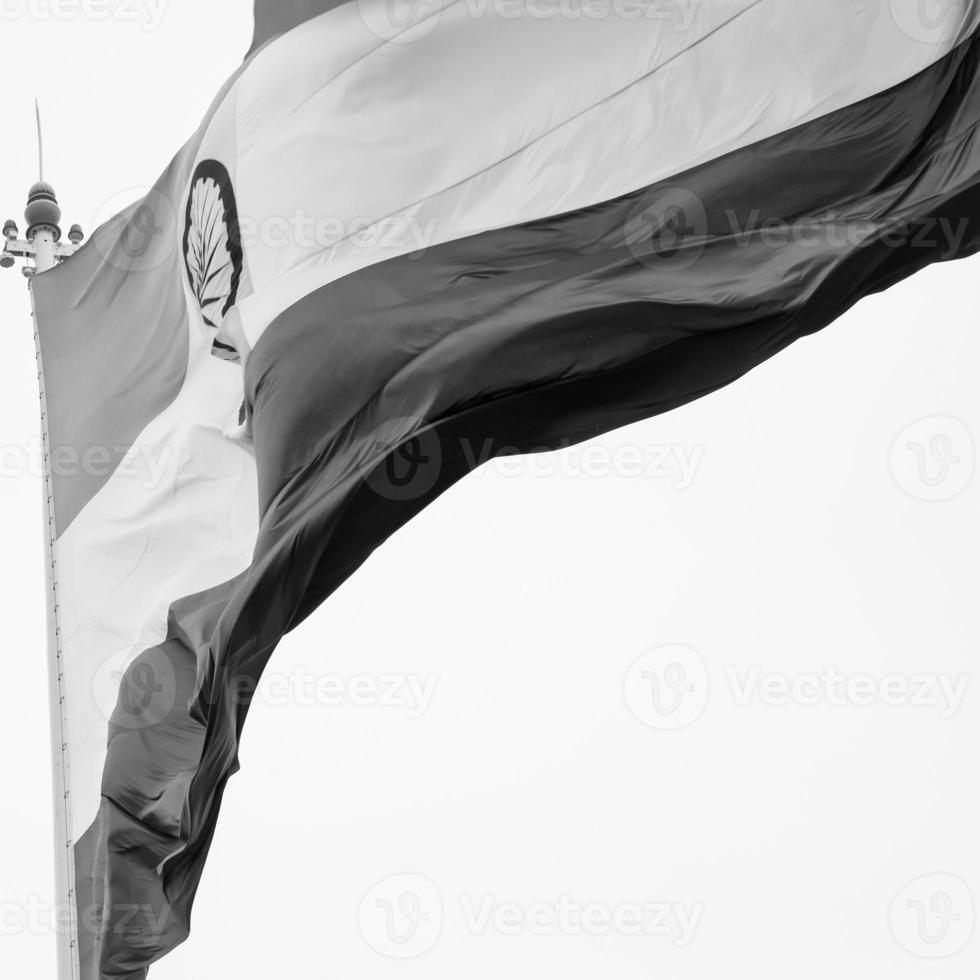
(812, 530)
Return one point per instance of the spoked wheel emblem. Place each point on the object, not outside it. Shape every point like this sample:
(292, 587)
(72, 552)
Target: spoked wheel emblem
(213, 253)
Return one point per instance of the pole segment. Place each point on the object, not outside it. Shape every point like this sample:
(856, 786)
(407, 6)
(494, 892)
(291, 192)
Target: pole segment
(67, 917)
(42, 244)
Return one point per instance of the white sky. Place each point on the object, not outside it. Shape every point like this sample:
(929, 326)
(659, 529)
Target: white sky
(786, 831)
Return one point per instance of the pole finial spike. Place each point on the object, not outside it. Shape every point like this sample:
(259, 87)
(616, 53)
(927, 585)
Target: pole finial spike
(40, 141)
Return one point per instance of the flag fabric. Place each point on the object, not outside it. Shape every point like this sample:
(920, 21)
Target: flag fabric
(404, 239)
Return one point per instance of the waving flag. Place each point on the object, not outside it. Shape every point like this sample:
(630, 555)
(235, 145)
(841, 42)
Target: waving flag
(407, 238)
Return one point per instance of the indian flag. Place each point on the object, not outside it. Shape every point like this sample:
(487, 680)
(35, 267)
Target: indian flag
(406, 237)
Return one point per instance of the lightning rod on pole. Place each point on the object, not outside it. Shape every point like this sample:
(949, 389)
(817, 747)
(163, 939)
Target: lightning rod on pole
(40, 141)
(42, 243)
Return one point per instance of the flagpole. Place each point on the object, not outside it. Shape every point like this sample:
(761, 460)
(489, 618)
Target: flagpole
(66, 918)
(42, 245)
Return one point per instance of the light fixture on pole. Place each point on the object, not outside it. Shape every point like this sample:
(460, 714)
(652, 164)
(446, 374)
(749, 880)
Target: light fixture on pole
(42, 242)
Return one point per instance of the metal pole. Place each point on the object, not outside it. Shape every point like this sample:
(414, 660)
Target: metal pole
(44, 249)
(66, 923)
(42, 244)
